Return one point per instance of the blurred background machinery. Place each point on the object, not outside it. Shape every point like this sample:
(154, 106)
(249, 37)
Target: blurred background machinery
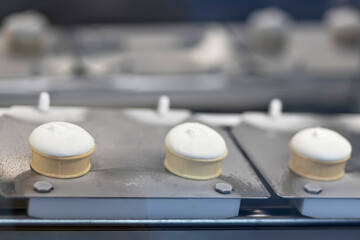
(236, 55)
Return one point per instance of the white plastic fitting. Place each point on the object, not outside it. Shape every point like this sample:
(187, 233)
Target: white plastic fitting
(163, 105)
(275, 108)
(44, 102)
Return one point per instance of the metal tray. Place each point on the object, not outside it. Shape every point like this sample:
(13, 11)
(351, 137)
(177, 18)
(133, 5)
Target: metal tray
(268, 150)
(127, 163)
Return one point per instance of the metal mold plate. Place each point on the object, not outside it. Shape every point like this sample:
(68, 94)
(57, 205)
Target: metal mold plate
(127, 162)
(269, 151)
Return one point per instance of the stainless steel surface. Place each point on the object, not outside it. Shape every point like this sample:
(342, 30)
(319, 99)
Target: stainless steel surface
(268, 150)
(253, 234)
(127, 162)
(214, 92)
(248, 219)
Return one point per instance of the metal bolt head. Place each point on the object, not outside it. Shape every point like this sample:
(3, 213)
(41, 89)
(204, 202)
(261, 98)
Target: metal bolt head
(43, 187)
(223, 188)
(312, 188)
